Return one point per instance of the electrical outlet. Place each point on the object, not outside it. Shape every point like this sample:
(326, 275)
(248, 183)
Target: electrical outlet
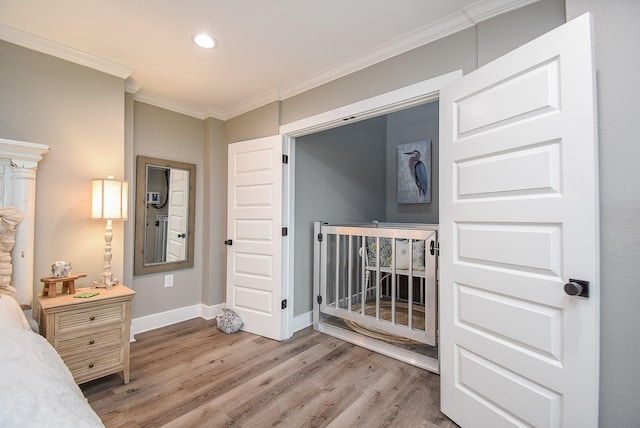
(168, 281)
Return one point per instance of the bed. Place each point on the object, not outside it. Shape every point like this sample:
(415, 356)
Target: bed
(379, 282)
(37, 387)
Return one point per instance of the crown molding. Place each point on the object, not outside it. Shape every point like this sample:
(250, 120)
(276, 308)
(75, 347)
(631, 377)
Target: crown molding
(253, 103)
(470, 16)
(138, 95)
(427, 34)
(422, 36)
(153, 100)
(216, 114)
(486, 9)
(40, 44)
(131, 86)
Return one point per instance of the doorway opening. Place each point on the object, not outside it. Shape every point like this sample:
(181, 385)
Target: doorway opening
(358, 157)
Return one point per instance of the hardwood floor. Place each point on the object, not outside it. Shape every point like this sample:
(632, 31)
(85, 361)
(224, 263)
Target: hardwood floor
(192, 375)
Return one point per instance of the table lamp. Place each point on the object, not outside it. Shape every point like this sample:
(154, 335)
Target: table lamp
(108, 202)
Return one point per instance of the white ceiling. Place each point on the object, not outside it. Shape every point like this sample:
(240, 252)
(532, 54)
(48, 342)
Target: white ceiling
(268, 49)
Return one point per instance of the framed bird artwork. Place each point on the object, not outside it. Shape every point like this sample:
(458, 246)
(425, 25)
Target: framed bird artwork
(414, 173)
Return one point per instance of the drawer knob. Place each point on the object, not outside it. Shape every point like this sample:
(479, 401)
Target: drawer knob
(91, 342)
(90, 365)
(92, 318)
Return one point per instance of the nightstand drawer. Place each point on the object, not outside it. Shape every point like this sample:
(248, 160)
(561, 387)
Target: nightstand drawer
(90, 341)
(90, 334)
(87, 318)
(95, 364)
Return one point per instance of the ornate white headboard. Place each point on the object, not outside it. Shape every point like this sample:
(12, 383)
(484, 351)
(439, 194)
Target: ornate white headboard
(18, 163)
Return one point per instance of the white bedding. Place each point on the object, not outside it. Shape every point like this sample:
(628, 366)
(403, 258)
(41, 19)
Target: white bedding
(36, 387)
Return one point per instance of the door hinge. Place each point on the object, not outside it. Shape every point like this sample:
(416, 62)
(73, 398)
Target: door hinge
(285, 159)
(434, 248)
(319, 299)
(283, 304)
(285, 231)
(319, 237)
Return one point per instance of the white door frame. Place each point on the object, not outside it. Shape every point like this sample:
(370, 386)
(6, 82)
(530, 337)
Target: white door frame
(399, 99)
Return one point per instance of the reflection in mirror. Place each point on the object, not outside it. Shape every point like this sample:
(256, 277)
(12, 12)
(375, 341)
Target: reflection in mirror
(157, 216)
(165, 203)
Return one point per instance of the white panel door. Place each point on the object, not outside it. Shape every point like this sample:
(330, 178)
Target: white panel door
(254, 227)
(178, 215)
(518, 177)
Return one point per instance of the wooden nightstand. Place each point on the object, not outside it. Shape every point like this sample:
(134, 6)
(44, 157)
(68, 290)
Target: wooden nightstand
(90, 334)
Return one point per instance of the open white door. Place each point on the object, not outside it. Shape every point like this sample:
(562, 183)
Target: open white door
(254, 232)
(518, 220)
(178, 215)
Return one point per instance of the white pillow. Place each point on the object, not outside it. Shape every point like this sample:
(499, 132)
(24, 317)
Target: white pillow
(11, 315)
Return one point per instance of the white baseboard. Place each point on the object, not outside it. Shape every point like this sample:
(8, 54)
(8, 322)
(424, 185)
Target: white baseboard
(163, 319)
(210, 312)
(302, 321)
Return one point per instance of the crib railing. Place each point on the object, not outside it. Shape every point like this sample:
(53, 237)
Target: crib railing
(380, 277)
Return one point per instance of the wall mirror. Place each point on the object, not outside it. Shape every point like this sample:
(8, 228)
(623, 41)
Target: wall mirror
(165, 215)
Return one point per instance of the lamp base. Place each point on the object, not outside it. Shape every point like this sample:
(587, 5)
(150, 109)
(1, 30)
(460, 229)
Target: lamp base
(107, 281)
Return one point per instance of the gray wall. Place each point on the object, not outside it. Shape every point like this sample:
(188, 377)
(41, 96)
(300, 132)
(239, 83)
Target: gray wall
(408, 126)
(617, 49)
(79, 114)
(504, 33)
(457, 51)
(214, 213)
(164, 134)
(261, 122)
(340, 174)
(340, 177)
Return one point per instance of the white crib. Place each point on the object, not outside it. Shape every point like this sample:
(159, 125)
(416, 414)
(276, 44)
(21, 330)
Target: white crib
(379, 280)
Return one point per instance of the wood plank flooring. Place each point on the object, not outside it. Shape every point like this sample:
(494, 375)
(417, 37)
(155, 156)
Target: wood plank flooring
(192, 375)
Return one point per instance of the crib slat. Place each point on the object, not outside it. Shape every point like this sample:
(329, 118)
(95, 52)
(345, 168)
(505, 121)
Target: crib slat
(394, 283)
(410, 287)
(349, 272)
(371, 284)
(365, 276)
(337, 264)
(378, 277)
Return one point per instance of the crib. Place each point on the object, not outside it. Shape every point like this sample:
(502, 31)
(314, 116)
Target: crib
(376, 286)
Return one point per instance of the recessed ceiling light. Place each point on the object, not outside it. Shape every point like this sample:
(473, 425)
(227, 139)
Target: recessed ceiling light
(204, 41)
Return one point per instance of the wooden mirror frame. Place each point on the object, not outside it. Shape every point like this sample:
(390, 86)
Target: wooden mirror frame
(139, 266)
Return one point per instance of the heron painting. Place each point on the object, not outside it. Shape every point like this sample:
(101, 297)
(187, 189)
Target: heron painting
(414, 173)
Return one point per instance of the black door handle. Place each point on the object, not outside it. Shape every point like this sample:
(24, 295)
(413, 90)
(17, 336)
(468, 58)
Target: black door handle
(228, 242)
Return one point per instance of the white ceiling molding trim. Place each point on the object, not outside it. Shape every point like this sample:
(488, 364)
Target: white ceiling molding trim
(473, 14)
(40, 44)
(423, 36)
(486, 9)
(143, 97)
(131, 86)
(215, 114)
(134, 88)
(476, 12)
(253, 103)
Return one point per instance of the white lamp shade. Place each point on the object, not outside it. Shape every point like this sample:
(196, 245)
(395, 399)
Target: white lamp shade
(109, 199)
